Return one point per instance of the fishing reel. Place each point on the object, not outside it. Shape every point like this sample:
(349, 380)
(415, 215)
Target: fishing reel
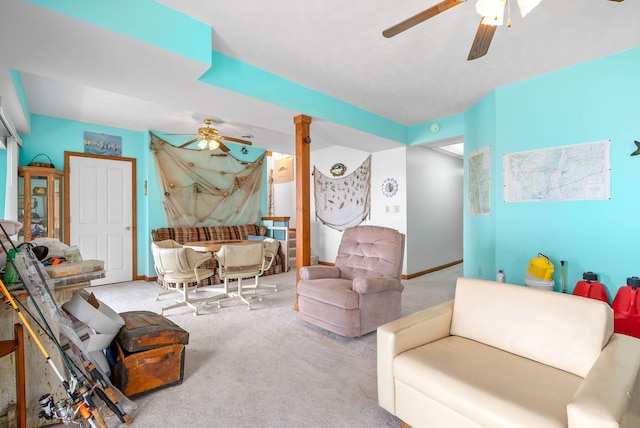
(64, 410)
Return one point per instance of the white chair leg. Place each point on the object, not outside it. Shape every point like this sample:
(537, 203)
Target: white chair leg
(226, 292)
(185, 301)
(170, 290)
(237, 293)
(241, 296)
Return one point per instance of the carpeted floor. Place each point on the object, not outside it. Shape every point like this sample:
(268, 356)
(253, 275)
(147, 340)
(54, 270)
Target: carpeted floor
(266, 368)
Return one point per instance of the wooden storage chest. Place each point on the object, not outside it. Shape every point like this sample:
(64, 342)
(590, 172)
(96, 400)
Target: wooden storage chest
(149, 353)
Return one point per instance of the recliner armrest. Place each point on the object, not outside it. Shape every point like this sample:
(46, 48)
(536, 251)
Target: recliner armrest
(319, 272)
(376, 284)
(403, 334)
(608, 395)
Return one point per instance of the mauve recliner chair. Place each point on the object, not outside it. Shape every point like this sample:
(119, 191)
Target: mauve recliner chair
(363, 290)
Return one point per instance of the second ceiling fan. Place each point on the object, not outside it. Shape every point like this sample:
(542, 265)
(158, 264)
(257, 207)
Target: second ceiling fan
(491, 12)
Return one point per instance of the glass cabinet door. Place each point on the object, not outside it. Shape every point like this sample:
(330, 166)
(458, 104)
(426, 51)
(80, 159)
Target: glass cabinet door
(39, 203)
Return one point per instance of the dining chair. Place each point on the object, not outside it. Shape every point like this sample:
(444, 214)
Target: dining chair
(181, 266)
(169, 288)
(240, 262)
(271, 247)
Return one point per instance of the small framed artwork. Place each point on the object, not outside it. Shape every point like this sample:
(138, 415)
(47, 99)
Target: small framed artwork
(338, 169)
(283, 169)
(102, 144)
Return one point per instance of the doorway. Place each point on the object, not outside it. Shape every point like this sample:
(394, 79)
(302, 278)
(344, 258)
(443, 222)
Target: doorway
(100, 212)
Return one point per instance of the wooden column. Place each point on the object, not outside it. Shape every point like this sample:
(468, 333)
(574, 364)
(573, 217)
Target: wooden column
(303, 197)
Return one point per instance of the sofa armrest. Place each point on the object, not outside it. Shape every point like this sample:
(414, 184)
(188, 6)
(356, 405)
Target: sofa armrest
(403, 334)
(608, 395)
(319, 272)
(376, 284)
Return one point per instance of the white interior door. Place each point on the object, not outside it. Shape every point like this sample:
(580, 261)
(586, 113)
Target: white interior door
(100, 222)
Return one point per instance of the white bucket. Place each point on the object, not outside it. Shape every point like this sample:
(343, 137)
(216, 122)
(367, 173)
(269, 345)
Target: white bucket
(541, 284)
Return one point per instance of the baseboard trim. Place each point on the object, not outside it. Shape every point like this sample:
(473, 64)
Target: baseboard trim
(433, 269)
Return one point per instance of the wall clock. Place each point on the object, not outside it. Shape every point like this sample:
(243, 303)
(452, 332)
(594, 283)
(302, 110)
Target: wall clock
(389, 187)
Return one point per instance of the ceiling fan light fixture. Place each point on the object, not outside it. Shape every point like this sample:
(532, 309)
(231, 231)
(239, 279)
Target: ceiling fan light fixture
(492, 11)
(208, 143)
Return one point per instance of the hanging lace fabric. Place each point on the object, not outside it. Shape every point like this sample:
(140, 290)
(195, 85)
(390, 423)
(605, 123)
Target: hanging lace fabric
(207, 188)
(344, 201)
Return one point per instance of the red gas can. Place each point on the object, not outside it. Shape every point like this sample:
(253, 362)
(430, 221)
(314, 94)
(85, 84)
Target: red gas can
(625, 308)
(590, 287)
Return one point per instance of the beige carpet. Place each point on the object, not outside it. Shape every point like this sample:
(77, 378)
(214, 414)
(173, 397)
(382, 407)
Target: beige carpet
(266, 368)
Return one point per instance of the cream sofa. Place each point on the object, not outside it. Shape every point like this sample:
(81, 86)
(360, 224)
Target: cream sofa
(502, 355)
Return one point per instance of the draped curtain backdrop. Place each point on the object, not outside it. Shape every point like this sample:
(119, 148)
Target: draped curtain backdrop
(345, 201)
(207, 188)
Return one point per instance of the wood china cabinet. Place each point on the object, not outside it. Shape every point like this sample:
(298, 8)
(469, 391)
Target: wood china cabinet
(40, 202)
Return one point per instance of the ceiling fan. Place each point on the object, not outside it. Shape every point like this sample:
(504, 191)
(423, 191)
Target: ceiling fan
(209, 138)
(491, 12)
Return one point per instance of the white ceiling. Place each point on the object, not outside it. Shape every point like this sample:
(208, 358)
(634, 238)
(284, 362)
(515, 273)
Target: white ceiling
(75, 70)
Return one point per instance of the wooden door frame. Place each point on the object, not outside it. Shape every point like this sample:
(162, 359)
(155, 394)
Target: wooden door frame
(134, 219)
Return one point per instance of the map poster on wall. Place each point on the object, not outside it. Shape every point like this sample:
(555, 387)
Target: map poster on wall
(574, 172)
(479, 182)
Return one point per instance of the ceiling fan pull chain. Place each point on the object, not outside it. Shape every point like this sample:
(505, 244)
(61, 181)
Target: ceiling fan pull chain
(508, 13)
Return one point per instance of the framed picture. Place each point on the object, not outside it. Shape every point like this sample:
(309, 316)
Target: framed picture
(283, 170)
(102, 144)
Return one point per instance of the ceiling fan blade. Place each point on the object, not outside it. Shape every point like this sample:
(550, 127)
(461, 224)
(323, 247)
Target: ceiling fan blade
(188, 142)
(236, 140)
(222, 147)
(421, 17)
(482, 41)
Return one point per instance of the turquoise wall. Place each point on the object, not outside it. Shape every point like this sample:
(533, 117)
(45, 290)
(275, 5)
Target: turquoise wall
(479, 235)
(53, 136)
(594, 101)
(452, 126)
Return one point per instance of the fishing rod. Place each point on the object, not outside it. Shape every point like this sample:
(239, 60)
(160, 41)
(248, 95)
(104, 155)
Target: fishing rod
(86, 407)
(48, 329)
(103, 389)
(33, 335)
(81, 406)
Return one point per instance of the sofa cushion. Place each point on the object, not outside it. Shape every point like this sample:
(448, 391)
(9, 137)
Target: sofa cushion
(561, 330)
(461, 374)
(207, 233)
